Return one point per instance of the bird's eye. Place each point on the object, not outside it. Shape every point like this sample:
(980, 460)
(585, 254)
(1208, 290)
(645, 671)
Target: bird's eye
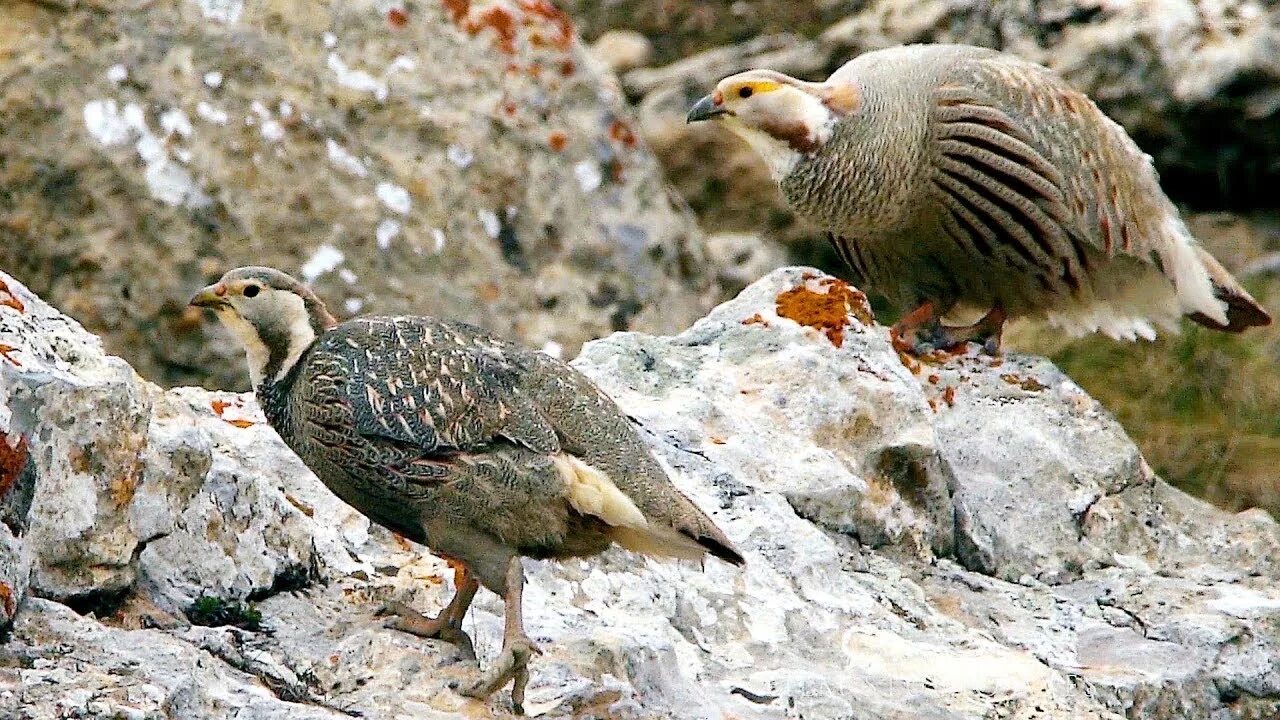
(251, 290)
(745, 91)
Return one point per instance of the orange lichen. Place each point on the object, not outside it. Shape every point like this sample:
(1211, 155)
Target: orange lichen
(905, 357)
(949, 396)
(756, 320)
(561, 20)
(123, 487)
(504, 23)
(934, 379)
(1029, 384)
(567, 68)
(457, 10)
(303, 507)
(401, 541)
(622, 132)
(397, 17)
(557, 141)
(5, 351)
(826, 308)
(8, 299)
(10, 602)
(500, 21)
(12, 460)
(220, 405)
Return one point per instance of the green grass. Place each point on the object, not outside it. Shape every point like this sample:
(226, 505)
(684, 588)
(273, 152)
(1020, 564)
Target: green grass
(1204, 406)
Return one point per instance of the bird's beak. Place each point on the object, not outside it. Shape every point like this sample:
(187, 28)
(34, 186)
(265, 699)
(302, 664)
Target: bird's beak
(214, 296)
(705, 109)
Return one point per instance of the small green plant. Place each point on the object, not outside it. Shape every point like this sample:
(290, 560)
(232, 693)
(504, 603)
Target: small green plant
(213, 612)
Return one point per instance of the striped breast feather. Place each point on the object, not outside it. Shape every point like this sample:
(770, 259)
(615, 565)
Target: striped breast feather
(1000, 197)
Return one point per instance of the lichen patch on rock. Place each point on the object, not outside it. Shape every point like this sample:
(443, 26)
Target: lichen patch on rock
(826, 305)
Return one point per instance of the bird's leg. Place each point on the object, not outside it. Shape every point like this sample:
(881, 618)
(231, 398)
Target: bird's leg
(986, 332)
(447, 625)
(913, 329)
(512, 665)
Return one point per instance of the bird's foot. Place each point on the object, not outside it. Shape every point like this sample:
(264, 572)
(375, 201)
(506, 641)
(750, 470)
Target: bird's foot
(511, 666)
(922, 340)
(405, 619)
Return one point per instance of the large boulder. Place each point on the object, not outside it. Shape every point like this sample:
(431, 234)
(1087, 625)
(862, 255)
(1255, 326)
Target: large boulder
(463, 159)
(957, 539)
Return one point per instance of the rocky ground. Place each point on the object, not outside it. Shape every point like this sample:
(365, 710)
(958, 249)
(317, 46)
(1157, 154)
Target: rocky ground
(973, 538)
(470, 160)
(968, 538)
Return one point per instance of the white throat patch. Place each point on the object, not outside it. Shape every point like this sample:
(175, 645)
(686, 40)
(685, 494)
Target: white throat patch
(254, 349)
(786, 125)
(776, 154)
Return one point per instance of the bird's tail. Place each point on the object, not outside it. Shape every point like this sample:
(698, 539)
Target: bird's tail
(685, 532)
(1242, 310)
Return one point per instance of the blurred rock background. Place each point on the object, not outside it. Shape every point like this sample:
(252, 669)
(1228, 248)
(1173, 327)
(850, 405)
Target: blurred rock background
(475, 160)
(1197, 84)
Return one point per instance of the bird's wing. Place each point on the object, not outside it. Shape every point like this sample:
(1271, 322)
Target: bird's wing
(1029, 170)
(437, 387)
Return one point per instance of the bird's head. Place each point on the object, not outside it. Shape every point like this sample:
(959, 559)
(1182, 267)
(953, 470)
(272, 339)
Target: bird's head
(782, 118)
(275, 317)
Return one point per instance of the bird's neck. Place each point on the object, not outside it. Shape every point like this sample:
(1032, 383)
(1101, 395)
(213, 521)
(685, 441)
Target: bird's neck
(273, 397)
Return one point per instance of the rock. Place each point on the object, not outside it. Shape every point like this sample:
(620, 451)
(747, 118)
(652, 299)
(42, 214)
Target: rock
(622, 49)
(741, 258)
(681, 28)
(968, 538)
(470, 160)
(784, 52)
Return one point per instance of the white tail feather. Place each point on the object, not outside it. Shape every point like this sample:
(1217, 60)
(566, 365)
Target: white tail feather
(1190, 276)
(591, 492)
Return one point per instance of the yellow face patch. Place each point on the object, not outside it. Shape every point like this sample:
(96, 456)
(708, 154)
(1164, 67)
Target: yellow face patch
(744, 89)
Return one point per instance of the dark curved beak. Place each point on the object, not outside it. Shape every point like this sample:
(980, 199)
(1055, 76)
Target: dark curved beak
(704, 109)
(211, 297)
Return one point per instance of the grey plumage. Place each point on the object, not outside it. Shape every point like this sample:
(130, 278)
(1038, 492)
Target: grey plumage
(478, 448)
(964, 177)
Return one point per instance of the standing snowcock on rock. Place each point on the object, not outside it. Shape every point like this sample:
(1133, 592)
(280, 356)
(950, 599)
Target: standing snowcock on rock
(956, 179)
(477, 448)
